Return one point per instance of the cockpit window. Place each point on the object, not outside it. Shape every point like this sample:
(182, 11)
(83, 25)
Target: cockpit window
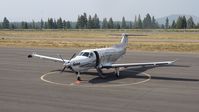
(80, 53)
(86, 54)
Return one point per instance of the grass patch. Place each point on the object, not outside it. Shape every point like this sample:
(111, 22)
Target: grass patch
(156, 40)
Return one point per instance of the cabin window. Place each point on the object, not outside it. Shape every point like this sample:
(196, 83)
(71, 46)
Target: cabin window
(91, 55)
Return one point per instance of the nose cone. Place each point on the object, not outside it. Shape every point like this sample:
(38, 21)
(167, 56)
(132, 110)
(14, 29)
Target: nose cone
(78, 59)
(76, 62)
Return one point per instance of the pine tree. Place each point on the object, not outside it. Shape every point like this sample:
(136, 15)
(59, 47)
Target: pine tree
(90, 22)
(179, 23)
(41, 24)
(117, 26)
(190, 23)
(5, 23)
(173, 24)
(130, 25)
(13, 26)
(110, 23)
(50, 23)
(96, 21)
(135, 25)
(33, 24)
(184, 22)
(154, 23)
(59, 23)
(82, 21)
(104, 24)
(68, 25)
(24, 25)
(139, 22)
(147, 23)
(54, 24)
(167, 23)
(123, 23)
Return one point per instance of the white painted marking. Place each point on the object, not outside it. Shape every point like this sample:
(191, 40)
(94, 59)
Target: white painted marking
(94, 85)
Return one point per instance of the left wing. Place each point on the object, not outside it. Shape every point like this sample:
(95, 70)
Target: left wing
(138, 64)
(48, 58)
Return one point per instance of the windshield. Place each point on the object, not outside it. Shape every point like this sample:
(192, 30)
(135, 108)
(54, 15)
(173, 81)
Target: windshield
(84, 54)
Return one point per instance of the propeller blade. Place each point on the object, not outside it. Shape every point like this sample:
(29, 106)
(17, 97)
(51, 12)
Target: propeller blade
(73, 56)
(67, 65)
(63, 69)
(61, 58)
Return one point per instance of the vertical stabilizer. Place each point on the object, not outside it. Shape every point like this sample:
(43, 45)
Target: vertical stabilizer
(124, 40)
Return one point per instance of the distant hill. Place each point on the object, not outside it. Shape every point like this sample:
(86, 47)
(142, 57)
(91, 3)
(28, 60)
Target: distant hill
(175, 17)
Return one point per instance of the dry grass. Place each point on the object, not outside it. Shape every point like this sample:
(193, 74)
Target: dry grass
(154, 41)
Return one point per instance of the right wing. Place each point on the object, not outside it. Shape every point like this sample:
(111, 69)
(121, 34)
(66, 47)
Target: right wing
(48, 58)
(138, 64)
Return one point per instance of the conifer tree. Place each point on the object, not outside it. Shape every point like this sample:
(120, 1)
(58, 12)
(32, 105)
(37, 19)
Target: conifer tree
(123, 23)
(190, 23)
(167, 23)
(110, 23)
(104, 24)
(5, 23)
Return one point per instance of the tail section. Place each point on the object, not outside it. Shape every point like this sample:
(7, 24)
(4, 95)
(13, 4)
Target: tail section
(124, 40)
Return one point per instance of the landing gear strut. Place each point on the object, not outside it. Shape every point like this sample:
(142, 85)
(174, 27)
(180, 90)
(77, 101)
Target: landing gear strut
(78, 76)
(117, 72)
(100, 73)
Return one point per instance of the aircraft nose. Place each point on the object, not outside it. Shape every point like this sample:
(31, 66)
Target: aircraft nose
(74, 63)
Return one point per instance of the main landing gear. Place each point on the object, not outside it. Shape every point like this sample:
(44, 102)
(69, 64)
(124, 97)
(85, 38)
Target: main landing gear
(117, 72)
(100, 73)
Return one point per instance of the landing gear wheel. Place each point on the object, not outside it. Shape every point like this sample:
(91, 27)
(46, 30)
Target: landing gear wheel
(117, 72)
(78, 76)
(117, 75)
(79, 79)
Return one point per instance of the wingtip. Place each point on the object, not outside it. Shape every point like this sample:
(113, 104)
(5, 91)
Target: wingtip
(30, 56)
(174, 61)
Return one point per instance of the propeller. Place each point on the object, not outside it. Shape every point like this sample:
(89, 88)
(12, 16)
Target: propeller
(68, 63)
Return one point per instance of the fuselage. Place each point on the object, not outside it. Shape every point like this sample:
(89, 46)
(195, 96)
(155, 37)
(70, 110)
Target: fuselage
(92, 58)
(97, 58)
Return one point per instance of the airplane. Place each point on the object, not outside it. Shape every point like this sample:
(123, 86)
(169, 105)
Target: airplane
(100, 58)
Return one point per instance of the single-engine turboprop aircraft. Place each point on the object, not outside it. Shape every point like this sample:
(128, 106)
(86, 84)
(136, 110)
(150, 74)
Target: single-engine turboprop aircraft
(99, 59)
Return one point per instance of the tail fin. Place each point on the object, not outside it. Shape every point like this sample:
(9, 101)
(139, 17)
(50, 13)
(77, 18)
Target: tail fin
(124, 40)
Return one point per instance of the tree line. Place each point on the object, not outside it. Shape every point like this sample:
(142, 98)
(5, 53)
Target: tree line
(85, 21)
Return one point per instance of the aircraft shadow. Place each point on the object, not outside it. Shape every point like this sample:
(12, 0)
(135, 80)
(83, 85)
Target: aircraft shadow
(132, 73)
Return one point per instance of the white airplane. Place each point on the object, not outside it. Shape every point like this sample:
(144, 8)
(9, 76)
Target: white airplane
(99, 59)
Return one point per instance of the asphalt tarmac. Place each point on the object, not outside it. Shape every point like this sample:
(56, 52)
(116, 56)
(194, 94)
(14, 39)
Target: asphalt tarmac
(150, 89)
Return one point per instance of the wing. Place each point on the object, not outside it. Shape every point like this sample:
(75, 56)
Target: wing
(138, 64)
(47, 58)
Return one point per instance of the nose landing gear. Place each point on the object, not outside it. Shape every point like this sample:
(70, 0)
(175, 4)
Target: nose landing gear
(78, 76)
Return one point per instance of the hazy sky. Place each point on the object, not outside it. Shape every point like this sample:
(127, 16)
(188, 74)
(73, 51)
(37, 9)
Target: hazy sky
(18, 10)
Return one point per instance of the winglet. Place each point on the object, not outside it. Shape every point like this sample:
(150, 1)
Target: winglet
(173, 61)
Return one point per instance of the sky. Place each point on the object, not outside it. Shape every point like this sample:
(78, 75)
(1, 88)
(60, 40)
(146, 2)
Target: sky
(28, 10)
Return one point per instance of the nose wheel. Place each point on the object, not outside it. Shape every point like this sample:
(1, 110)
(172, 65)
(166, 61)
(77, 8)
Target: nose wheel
(78, 76)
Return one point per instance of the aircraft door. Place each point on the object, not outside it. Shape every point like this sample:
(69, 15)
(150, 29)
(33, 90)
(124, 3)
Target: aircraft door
(97, 58)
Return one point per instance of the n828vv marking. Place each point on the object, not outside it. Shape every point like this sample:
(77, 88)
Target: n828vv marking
(99, 59)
